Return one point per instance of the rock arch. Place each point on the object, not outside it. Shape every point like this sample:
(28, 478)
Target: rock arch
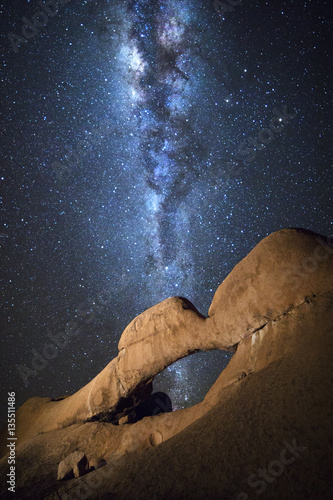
(269, 282)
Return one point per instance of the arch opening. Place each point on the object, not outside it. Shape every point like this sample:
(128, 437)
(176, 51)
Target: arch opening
(188, 380)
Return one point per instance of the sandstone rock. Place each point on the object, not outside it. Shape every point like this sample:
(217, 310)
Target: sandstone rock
(279, 273)
(275, 310)
(72, 466)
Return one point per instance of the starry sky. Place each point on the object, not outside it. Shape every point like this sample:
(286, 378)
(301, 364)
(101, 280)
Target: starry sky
(146, 148)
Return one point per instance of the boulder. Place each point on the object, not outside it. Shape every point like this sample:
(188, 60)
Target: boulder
(74, 465)
(96, 463)
(124, 420)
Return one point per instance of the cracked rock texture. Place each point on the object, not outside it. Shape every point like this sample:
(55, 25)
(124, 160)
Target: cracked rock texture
(275, 311)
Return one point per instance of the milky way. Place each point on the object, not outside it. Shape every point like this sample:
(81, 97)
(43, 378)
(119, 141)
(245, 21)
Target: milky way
(159, 60)
(158, 84)
(147, 147)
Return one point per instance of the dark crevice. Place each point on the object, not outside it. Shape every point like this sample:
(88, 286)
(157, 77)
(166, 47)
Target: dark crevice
(155, 404)
(125, 405)
(259, 328)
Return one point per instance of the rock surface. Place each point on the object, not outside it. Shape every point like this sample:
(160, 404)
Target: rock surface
(277, 275)
(275, 309)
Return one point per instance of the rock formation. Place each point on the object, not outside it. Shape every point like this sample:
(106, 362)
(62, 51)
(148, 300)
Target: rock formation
(266, 419)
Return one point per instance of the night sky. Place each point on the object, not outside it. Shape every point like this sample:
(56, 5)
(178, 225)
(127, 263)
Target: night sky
(146, 148)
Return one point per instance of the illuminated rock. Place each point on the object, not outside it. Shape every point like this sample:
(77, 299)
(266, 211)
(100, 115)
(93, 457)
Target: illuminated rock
(275, 309)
